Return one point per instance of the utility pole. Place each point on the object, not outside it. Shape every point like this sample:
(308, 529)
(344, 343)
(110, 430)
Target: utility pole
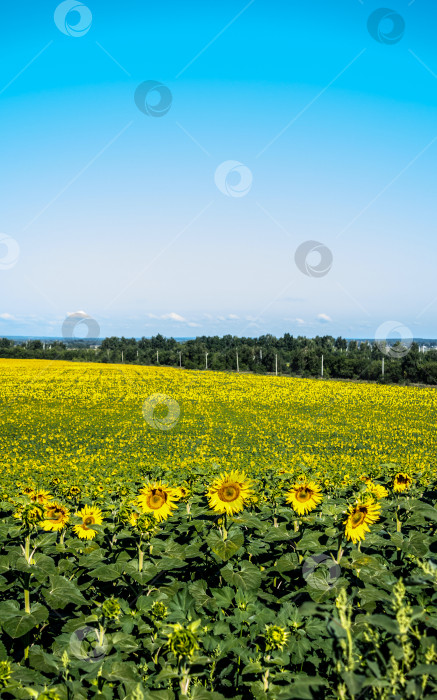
(383, 366)
(122, 356)
(260, 354)
(206, 360)
(157, 357)
(180, 358)
(238, 366)
(107, 352)
(276, 364)
(322, 367)
(137, 354)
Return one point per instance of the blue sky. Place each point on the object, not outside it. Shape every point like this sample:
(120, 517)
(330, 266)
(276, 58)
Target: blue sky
(119, 214)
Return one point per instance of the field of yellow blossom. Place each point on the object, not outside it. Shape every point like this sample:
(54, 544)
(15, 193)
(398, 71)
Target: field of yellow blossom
(90, 425)
(181, 534)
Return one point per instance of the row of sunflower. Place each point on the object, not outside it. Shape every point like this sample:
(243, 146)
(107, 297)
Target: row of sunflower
(228, 494)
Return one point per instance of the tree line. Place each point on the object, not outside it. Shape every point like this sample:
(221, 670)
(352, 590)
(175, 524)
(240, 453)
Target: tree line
(288, 355)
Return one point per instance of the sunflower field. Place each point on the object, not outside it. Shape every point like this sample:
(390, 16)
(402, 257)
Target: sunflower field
(182, 534)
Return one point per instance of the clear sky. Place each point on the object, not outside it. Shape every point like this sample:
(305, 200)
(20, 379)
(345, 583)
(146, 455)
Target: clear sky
(278, 123)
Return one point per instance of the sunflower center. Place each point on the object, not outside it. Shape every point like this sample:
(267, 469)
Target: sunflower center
(89, 520)
(156, 499)
(358, 518)
(402, 479)
(303, 494)
(229, 492)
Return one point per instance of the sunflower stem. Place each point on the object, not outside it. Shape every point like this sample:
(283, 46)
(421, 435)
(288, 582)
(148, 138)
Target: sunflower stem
(140, 555)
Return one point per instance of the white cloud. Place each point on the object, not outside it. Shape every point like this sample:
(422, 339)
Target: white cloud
(324, 318)
(7, 317)
(172, 316)
(194, 325)
(233, 317)
(300, 321)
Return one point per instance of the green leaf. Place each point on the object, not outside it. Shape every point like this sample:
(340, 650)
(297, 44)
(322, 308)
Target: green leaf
(62, 592)
(225, 549)
(23, 622)
(248, 577)
(107, 572)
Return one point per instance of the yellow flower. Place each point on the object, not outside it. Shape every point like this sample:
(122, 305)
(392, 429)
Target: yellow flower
(90, 516)
(157, 498)
(229, 492)
(276, 637)
(56, 517)
(41, 497)
(361, 515)
(377, 490)
(402, 482)
(304, 497)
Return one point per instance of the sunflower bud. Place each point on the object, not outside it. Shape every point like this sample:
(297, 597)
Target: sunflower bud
(276, 637)
(183, 640)
(5, 673)
(111, 608)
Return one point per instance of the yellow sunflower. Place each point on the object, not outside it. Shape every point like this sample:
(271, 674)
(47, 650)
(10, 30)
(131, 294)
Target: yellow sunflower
(229, 492)
(90, 516)
(159, 499)
(41, 497)
(402, 482)
(56, 517)
(360, 516)
(377, 490)
(304, 496)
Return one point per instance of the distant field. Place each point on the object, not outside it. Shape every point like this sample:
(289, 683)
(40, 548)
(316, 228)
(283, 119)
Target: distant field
(83, 420)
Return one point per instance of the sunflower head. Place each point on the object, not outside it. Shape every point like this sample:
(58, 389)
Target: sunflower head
(402, 482)
(158, 610)
(30, 514)
(40, 496)
(183, 640)
(276, 637)
(89, 515)
(363, 513)
(158, 499)
(304, 496)
(229, 492)
(5, 673)
(56, 517)
(377, 490)
(49, 694)
(111, 608)
(74, 492)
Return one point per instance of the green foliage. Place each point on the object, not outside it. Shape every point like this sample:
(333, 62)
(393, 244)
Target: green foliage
(259, 606)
